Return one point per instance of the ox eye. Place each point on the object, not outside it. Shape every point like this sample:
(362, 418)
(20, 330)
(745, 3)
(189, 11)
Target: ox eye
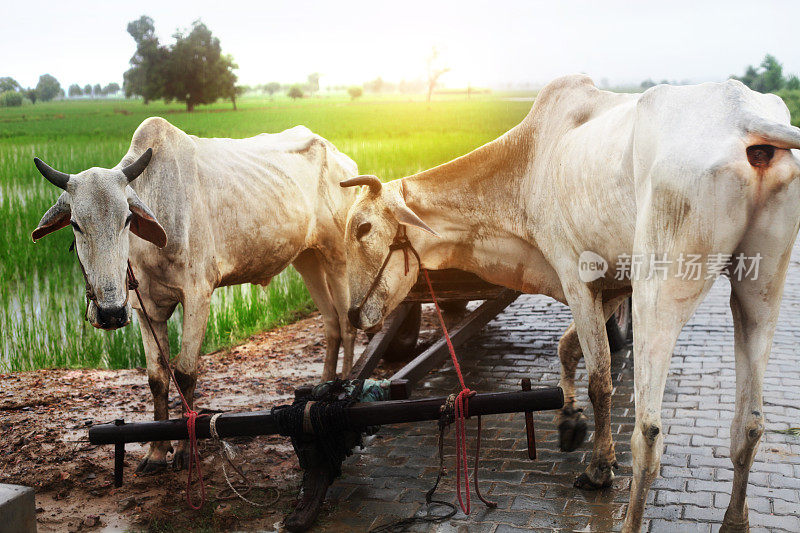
(363, 229)
(75, 226)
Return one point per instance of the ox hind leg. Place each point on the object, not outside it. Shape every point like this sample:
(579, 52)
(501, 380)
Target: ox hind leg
(661, 307)
(570, 420)
(196, 308)
(754, 304)
(310, 268)
(158, 378)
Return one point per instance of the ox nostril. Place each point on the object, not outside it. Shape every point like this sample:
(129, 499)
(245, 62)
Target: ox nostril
(354, 316)
(111, 316)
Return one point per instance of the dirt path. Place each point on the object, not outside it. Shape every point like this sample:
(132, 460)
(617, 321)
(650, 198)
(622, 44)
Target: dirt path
(45, 415)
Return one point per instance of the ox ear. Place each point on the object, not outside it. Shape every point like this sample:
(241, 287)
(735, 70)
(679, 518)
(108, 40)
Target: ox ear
(144, 223)
(406, 216)
(57, 217)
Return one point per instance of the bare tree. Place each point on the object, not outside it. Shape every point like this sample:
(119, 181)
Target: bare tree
(435, 70)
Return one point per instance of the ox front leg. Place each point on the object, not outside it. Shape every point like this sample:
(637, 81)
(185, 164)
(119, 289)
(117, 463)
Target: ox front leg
(340, 299)
(158, 377)
(195, 319)
(310, 268)
(587, 308)
(754, 304)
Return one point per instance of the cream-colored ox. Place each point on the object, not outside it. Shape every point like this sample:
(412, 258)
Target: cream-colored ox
(696, 170)
(222, 212)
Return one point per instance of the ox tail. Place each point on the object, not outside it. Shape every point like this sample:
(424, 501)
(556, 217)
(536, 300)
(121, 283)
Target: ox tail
(773, 133)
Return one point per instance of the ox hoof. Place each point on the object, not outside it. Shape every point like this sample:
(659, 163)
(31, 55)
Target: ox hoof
(180, 459)
(735, 523)
(584, 482)
(151, 466)
(571, 430)
(742, 527)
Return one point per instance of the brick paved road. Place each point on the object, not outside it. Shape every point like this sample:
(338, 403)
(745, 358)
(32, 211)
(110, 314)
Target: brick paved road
(388, 479)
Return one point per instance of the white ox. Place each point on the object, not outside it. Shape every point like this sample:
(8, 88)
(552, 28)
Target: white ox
(223, 212)
(700, 170)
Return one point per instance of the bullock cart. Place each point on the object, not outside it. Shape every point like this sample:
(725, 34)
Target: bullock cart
(313, 440)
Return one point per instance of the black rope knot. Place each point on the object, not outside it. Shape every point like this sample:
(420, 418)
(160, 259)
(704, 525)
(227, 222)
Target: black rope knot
(318, 424)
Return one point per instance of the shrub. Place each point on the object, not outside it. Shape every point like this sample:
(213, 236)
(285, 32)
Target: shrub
(295, 92)
(10, 99)
(355, 92)
(792, 99)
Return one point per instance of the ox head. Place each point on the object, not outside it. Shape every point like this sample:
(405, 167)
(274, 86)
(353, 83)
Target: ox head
(102, 208)
(372, 225)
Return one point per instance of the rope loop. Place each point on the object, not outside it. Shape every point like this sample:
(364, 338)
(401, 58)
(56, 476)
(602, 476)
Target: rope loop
(461, 413)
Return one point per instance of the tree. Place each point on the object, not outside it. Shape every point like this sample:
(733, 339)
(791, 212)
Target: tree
(75, 90)
(30, 94)
(193, 70)
(355, 92)
(111, 88)
(272, 87)
(750, 76)
(767, 78)
(646, 84)
(47, 88)
(97, 90)
(197, 71)
(146, 77)
(312, 85)
(375, 86)
(87, 89)
(295, 92)
(793, 83)
(9, 84)
(772, 74)
(435, 71)
(234, 92)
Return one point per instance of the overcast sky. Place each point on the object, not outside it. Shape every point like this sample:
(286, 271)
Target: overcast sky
(484, 43)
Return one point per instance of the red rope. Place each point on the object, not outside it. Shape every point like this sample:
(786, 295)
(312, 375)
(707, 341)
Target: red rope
(190, 414)
(461, 410)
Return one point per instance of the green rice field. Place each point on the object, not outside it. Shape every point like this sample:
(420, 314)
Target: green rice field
(41, 288)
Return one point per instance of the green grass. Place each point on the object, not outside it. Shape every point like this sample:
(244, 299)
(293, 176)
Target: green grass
(41, 288)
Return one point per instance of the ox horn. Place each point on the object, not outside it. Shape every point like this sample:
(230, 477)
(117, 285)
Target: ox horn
(133, 170)
(372, 182)
(57, 178)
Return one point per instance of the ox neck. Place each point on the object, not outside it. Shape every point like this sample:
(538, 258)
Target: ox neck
(470, 202)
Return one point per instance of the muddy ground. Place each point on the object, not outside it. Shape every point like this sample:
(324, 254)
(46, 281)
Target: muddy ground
(45, 416)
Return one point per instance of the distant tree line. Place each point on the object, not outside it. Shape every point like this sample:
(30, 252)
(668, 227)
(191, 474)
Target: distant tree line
(12, 94)
(767, 77)
(292, 90)
(94, 91)
(434, 70)
(646, 84)
(193, 70)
